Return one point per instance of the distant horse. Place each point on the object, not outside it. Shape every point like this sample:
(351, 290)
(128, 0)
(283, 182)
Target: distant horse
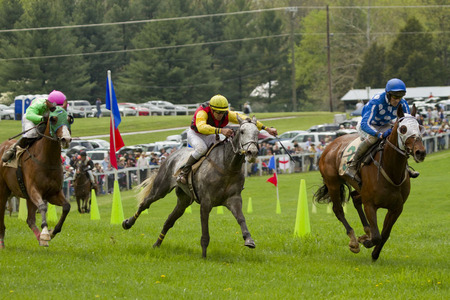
(42, 176)
(218, 181)
(82, 187)
(385, 181)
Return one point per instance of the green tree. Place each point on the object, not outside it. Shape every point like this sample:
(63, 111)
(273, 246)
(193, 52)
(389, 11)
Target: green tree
(371, 72)
(412, 57)
(236, 59)
(24, 72)
(176, 74)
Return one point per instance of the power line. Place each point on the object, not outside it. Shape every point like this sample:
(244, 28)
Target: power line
(217, 15)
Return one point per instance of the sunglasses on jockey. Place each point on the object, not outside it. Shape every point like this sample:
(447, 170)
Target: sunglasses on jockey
(397, 94)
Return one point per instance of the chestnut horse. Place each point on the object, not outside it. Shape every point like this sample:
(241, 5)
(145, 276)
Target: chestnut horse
(385, 182)
(82, 187)
(42, 176)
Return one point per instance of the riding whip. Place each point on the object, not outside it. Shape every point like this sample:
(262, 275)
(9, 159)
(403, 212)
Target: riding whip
(282, 146)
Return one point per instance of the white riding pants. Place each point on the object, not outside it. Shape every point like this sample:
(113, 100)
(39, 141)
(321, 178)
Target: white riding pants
(200, 142)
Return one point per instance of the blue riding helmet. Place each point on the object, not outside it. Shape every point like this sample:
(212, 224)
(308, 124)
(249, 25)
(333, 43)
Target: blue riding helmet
(395, 85)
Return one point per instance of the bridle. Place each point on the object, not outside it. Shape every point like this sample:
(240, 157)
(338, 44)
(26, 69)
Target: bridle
(243, 147)
(412, 131)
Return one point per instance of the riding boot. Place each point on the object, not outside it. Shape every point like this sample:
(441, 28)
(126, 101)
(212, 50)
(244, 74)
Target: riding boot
(22, 143)
(412, 173)
(182, 177)
(352, 165)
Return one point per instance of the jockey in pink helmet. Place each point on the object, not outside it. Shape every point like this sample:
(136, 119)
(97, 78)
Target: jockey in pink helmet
(57, 97)
(32, 117)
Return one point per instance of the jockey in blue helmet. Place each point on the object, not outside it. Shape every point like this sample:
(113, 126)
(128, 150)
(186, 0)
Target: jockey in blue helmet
(377, 115)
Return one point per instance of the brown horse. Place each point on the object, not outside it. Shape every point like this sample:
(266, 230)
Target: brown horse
(385, 182)
(42, 176)
(82, 186)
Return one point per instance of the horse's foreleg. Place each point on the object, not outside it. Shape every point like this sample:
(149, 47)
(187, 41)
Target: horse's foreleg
(389, 221)
(65, 212)
(177, 212)
(357, 203)
(371, 214)
(79, 205)
(205, 210)
(234, 204)
(44, 238)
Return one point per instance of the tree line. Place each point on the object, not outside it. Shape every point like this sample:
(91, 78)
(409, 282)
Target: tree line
(185, 51)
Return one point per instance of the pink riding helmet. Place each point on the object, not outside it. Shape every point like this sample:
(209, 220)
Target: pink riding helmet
(57, 97)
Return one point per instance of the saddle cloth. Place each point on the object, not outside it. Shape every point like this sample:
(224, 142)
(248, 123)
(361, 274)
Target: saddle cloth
(348, 154)
(13, 163)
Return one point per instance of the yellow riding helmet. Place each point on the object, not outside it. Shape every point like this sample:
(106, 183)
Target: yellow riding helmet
(219, 102)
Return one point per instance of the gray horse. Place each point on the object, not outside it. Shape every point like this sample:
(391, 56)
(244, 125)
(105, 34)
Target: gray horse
(219, 180)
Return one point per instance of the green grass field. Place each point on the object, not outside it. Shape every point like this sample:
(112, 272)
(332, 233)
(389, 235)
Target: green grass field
(96, 260)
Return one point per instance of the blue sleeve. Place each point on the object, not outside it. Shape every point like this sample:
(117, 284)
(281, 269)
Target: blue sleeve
(369, 113)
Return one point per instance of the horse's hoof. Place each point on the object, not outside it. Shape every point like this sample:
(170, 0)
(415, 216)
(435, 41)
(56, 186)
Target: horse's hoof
(2, 245)
(156, 245)
(125, 225)
(43, 243)
(355, 249)
(250, 243)
(363, 238)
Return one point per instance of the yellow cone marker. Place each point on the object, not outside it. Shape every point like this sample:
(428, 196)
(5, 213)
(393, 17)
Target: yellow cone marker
(249, 206)
(23, 210)
(95, 214)
(51, 214)
(302, 224)
(117, 210)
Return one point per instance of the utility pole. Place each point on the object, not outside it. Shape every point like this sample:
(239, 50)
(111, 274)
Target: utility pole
(329, 61)
(292, 10)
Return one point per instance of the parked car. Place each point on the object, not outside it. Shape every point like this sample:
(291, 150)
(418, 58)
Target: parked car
(6, 112)
(170, 108)
(97, 156)
(138, 110)
(99, 144)
(282, 137)
(303, 138)
(81, 109)
(324, 127)
(126, 110)
(153, 109)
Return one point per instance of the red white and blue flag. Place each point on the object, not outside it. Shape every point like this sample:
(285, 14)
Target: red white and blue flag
(115, 139)
(272, 166)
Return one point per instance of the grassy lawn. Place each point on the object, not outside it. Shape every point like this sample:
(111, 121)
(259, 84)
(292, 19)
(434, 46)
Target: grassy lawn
(96, 260)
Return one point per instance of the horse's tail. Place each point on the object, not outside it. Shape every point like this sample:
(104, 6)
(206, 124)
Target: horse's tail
(145, 187)
(322, 195)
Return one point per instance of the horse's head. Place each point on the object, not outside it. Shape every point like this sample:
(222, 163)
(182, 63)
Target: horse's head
(248, 138)
(60, 124)
(410, 134)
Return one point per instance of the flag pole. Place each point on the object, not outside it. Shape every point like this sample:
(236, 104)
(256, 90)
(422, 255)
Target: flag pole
(112, 120)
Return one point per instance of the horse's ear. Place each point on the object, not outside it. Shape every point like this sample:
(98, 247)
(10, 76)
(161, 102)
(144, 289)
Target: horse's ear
(239, 119)
(400, 113)
(254, 119)
(413, 110)
(65, 105)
